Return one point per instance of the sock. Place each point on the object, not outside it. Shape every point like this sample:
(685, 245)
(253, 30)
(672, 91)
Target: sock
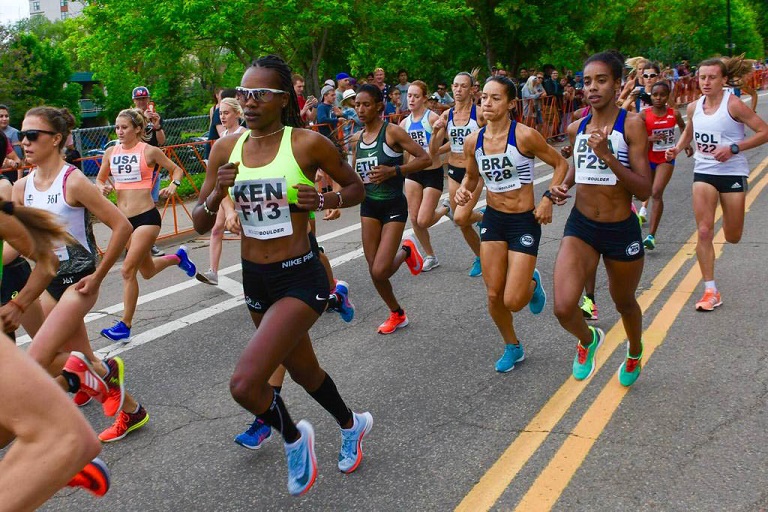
(333, 301)
(407, 251)
(277, 389)
(710, 284)
(176, 259)
(73, 381)
(399, 311)
(591, 296)
(138, 408)
(328, 396)
(278, 418)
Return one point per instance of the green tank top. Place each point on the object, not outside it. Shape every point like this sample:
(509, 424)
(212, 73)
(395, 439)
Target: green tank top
(369, 156)
(264, 197)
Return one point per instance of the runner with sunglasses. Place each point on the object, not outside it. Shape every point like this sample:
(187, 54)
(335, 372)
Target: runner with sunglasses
(503, 153)
(131, 164)
(456, 124)
(61, 346)
(268, 172)
(54, 445)
(720, 170)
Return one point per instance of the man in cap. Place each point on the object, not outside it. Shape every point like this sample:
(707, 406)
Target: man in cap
(342, 79)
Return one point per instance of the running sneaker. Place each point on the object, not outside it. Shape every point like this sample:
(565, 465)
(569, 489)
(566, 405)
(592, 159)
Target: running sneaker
(302, 463)
(430, 262)
(90, 381)
(479, 223)
(649, 242)
(156, 251)
(512, 354)
(414, 260)
(630, 369)
(447, 205)
(393, 323)
(118, 332)
(94, 478)
(584, 362)
(209, 277)
(185, 263)
(81, 398)
(539, 297)
(709, 301)
(256, 435)
(125, 424)
(345, 308)
(642, 214)
(477, 269)
(115, 380)
(589, 308)
(351, 453)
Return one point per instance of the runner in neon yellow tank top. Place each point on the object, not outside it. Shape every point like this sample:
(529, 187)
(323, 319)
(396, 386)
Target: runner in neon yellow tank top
(270, 183)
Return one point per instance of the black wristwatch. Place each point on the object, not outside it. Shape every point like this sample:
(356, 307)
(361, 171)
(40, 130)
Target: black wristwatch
(176, 182)
(735, 149)
(548, 195)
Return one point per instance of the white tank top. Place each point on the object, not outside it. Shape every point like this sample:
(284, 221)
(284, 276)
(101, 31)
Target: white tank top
(72, 258)
(506, 171)
(717, 129)
(457, 134)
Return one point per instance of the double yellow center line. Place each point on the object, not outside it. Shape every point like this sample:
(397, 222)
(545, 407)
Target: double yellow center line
(553, 480)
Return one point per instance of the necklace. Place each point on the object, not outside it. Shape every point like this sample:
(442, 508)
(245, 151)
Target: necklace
(251, 136)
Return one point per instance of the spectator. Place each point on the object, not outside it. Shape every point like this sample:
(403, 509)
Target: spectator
(402, 85)
(521, 81)
(352, 123)
(433, 103)
(552, 107)
(578, 81)
(306, 105)
(379, 81)
(445, 100)
(10, 132)
(327, 113)
(393, 103)
(533, 91)
(10, 161)
(369, 78)
(71, 154)
(342, 79)
(215, 129)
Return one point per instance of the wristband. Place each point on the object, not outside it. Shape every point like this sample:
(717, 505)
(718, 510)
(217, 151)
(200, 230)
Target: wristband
(176, 182)
(341, 200)
(548, 195)
(15, 303)
(6, 207)
(320, 201)
(398, 172)
(212, 213)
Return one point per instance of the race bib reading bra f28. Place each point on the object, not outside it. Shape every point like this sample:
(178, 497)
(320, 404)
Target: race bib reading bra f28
(262, 206)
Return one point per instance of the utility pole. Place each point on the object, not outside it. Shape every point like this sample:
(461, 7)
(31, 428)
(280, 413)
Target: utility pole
(728, 21)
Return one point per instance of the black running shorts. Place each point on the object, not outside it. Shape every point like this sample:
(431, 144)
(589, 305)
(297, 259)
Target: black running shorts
(621, 241)
(520, 230)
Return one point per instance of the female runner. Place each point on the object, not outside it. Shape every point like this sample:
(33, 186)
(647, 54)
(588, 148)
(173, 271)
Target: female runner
(720, 171)
(131, 164)
(423, 188)
(378, 160)
(503, 152)
(457, 123)
(269, 173)
(610, 152)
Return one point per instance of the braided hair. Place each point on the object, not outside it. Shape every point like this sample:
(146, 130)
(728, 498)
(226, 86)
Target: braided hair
(291, 115)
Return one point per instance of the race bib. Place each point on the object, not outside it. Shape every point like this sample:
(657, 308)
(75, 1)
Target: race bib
(499, 173)
(62, 253)
(706, 143)
(125, 168)
(457, 135)
(420, 137)
(591, 170)
(364, 166)
(262, 206)
(666, 140)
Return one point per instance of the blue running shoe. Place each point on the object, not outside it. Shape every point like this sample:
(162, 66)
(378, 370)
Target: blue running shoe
(118, 332)
(302, 463)
(185, 263)
(539, 297)
(256, 435)
(512, 354)
(351, 453)
(650, 242)
(346, 309)
(476, 269)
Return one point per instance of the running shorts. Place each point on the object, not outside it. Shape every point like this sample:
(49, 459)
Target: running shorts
(723, 184)
(15, 275)
(148, 218)
(520, 230)
(430, 178)
(387, 210)
(456, 173)
(621, 241)
(61, 282)
(654, 165)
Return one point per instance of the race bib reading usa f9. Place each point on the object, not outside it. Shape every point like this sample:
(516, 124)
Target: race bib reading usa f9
(590, 169)
(262, 206)
(125, 168)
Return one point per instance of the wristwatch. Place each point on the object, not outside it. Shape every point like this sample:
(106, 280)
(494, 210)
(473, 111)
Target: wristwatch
(176, 182)
(735, 149)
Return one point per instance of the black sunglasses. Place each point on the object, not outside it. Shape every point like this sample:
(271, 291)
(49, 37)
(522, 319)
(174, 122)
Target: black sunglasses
(32, 135)
(260, 94)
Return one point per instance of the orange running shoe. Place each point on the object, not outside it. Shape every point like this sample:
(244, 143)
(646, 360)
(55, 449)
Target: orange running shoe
(94, 478)
(90, 381)
(115, 380)
(393, 323)
(124, 424)
(81, 398)
(709, 301)
(414, 260)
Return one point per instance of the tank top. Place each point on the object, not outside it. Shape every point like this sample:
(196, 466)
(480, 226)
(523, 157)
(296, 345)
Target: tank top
(264, 196)
(129, 168)
(420, 131)
(664, 126)
(591, 170)
(506, 171)
(369, 156)
(81, 255)
(718, 129)
(457, 134)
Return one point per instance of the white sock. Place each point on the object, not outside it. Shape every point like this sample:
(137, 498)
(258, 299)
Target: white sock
(710, 284)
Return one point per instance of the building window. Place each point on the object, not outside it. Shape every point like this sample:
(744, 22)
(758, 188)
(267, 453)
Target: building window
(35, 6)
(64, 15)
(64, 3)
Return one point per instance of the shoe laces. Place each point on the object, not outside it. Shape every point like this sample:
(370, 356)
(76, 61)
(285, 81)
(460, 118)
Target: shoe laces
(295, 460)
(631, 364)
(582, 353)
(348, 442)
(255, 427)
(121, 423)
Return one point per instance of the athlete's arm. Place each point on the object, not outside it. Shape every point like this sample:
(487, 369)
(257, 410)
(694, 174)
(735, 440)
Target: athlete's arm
(438, 134)
(472, 176)
(102, 179)
(740, 112)
(421, 159)
(155, 156)
(219, 176)
(636, 179)
(685, 138)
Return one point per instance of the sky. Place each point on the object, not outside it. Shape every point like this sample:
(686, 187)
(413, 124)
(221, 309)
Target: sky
(13, 10)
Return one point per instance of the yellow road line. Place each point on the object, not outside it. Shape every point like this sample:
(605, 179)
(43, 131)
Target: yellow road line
(551, 483)
(493, 483)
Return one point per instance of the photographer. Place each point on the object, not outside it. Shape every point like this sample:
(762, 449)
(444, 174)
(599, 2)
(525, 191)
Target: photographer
(639, 98)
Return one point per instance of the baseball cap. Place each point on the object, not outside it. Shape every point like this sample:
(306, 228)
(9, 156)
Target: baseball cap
(326, 90)
(140, 92)
(435, 96)
(349, 93)
(330, 82)
(341, 76)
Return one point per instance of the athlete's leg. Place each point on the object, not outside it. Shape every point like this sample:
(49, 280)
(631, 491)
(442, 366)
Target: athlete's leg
(466, 221)
(141, 242)
(217, 236)
(704, 204)
(382, 248)
(493, 255)
(576, 261)
(660, 182)
(623, 278)
(428, 214)
(519, 280)
(733, 204)
(414, 194)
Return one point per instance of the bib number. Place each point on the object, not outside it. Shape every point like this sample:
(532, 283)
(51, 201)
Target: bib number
(125, 168)
(364, 166)
(262, 206)
(590, 169)
(706, 143)
(457, 136)
(499, 173)
(61, 253)
(420, 138)
(666, 140)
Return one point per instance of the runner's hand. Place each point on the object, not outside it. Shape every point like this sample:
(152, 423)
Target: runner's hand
(566, 151)
(598, 141)
(232, 222)
(168, 191)
(559, 193)
(332, 214)
(462, 196)
(722, 153)
(105, 188)
(307, 197)
(543, 212)
(440, 123)
(671, 153)
(226, 175)
(381, 173)
(11, 317)
(688, 151)
(88, 285)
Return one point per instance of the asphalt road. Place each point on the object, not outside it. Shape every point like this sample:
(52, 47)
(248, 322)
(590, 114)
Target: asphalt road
(689, 435)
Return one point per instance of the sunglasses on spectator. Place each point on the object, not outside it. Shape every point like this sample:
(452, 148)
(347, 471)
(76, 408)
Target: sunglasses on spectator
(260, 94)
(32, 135)
(650, 75)
(441, 88)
